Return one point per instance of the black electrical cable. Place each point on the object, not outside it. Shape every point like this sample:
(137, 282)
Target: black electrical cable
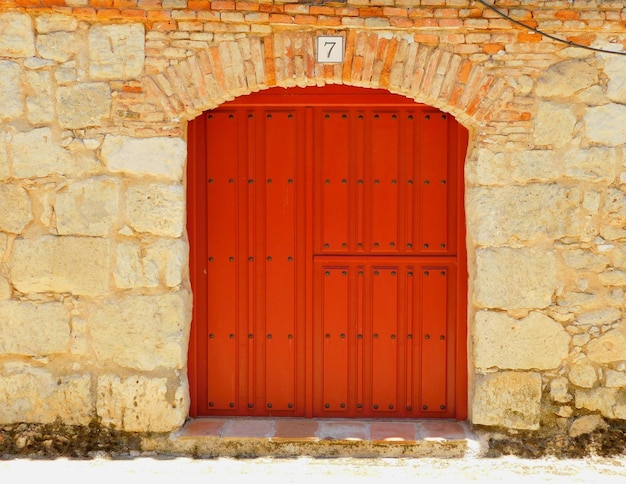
(544, 34)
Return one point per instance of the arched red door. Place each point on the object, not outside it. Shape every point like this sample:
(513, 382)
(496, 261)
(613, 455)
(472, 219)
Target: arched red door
(327, 257)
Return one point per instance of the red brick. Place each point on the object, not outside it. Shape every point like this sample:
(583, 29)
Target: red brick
(426, 38)
(124, 3)
(325, 20)
(395, 12)
(371, 12)
(425, 22)
(305, 19)
(27, 3)
(528, 37)
(401, 22)
(133, 13)
(271, 8)
(108, 13)
(198, 5)
(450, 22)
(84, 12)
(492, 48)
(149, 3)
(159, 15)
(347, 12)
(566, 14)
(101, 3)
(247, 6)
(281, 18)
(223, 5)
(318, 10)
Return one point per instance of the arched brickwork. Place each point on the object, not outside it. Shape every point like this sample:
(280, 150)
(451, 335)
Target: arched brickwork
(428, 74)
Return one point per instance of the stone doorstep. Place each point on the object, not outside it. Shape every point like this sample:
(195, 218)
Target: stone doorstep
(281, 437)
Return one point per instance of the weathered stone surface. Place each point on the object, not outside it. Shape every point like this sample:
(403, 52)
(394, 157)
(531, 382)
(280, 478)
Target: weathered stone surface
(566, 78)
(141, 332)
(116, 51)
(77, 265)
(36, 154)
(5, 286)
(514, 278)
(583, 374)
(534, 342)
(149, 264)
(88, 207)
(594, 164)
(599, 317)
(16, 212)
(591, 201)
(83, 105)
(613, 278)
(615, 70)
(16, 35)
(55, 23)
(587, 424)
(157, 209)
(39, 101)
(508, 399)
(58, 46)
(606, 124)
(554, 124)
(140, 404)
(159, 156)
(34, 329)
(488, 168)
(610, 402)
(558, 390)
(585, 259)
(5, 169)
(610, 347)
(12, 100)
(535, 166)
(615, 219)
(33, 395)
(527, 213)
(614, 379)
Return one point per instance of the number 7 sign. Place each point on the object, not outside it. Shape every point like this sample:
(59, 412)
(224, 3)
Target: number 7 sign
(329, 49)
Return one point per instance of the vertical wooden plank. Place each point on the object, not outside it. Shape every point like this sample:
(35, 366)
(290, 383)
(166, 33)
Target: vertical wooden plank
(335, 323)
(222, 286)
(384, 172)
(434, 183)
(279, 214)
(384, 337)
(434, 315)
(333, 183)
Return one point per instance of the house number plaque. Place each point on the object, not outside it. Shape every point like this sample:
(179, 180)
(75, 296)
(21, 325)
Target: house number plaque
(330, 49)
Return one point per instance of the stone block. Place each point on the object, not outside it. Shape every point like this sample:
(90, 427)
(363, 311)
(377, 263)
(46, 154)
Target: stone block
(535, 166)
(558, 390)
(606, 125)
(610, 402)
(141, 332)
(59, 47)
(33, 395)
(529, 213)
(514, 278)
(83, 105)
(39, 101)
(158, 156)
(16, 35)
(5, 286)
(583, 374)
(55, 22)
(566, 78)
(609, 347)
(34, 329)
(88, 207)
(36, 153)
(614, 379)
(150, 264)
(593, 164)
(116, 51)
(615, 70)
(5, 169)
(77, 265)
(535, 342)
(508, 399)
(12, 100)
(584, 259)
(554, 124)
(586, 425)
(599, 317)
(141, 404)
(156, 209)
(16, 212)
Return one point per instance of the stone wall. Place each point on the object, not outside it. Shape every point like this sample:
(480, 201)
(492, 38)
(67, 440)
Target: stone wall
(95, 299)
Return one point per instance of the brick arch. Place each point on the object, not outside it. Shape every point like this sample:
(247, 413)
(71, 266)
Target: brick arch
(428, 74)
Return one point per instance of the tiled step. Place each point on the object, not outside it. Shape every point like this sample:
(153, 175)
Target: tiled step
(251, 437)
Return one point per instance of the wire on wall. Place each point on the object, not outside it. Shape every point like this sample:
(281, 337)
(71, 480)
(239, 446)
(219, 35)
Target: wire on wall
(544, 34)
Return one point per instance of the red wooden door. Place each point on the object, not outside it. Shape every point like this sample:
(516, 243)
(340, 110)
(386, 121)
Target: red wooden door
(327, 262)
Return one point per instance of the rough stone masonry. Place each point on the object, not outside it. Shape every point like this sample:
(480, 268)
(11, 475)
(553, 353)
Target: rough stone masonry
(95, 299)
